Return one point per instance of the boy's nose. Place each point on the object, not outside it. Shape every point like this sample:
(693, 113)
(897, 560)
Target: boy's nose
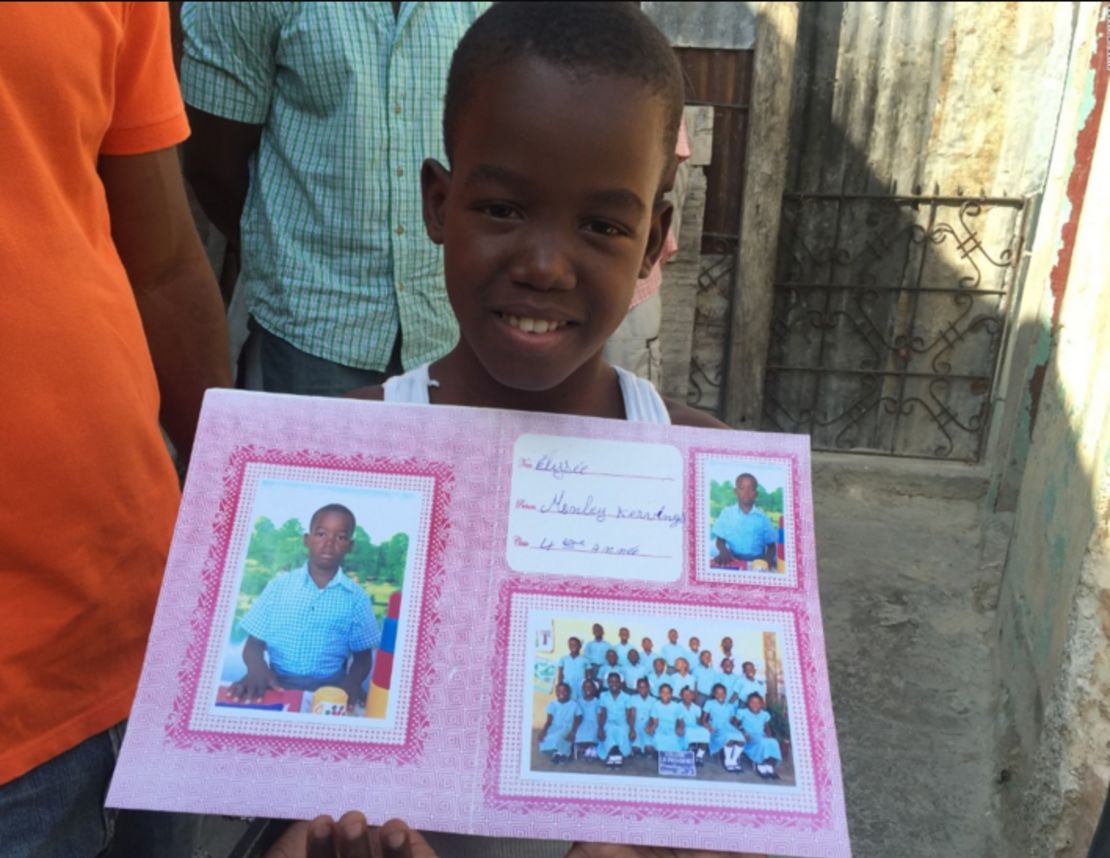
(544, 262)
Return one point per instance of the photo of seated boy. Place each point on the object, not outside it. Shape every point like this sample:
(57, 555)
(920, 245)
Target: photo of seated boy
(312, 626)
(743, 531)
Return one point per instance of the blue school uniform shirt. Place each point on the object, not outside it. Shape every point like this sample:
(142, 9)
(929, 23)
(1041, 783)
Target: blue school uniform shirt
(705, 678)
(622, 651)
(603, 674)
(309, 631)
(672, 651)
(634, 672)
(595, 651)
(587, 730)
(574, 672)
(655, 680)
(746, 534)
(616, 709)
(678, 682)
(746, 686)
(752, 723)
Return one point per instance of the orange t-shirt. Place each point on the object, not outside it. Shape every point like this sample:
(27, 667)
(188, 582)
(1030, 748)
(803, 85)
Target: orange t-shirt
(88, 493)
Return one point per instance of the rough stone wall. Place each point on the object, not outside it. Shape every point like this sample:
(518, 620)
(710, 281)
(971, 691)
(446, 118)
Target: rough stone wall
(1054, 608)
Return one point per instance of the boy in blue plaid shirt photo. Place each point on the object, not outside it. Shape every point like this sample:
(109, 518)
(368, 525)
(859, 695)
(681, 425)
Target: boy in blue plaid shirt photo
(315, 625)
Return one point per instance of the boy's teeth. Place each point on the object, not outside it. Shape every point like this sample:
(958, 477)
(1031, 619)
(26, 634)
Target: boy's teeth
(533, 326)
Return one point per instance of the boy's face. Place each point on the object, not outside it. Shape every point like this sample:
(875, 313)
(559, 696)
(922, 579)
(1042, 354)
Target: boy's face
(574, 645)
(562, 692)
(328, 540)
(646, 644)
(547, 218)
(745, 492)
(749, 670)
(599, 632)
(672, 635)
(624, 635)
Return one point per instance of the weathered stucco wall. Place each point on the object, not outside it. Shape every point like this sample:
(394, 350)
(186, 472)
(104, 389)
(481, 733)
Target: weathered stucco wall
(1054, 607)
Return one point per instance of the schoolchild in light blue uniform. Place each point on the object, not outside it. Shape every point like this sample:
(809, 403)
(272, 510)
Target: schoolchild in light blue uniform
(705, 677)
(672, 649)
(761, 749)
(563, 717)
(749, 685)
(572, 668)
(724, 735)
(681, 678)
(663, 726)
(642, 701)
(623, 646)
(612, 665)
(590, 707)
(647, 652)
(633, 671)
(614, 742)
(730, 681)
(658, 676)
(596, 649)
(695, 734)
(693, 652)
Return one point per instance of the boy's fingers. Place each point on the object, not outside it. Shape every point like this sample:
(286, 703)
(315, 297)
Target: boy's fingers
(320, 842)
(399, 841)
(353, 836)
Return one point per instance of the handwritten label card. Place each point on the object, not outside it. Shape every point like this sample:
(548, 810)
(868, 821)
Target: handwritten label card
(610, 509)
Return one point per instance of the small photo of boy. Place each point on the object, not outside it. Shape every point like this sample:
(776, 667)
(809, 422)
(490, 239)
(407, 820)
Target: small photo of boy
(319, 601)
(746, 517)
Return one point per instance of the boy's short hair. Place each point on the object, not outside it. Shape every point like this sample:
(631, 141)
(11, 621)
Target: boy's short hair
(333, 507)
(585, 39)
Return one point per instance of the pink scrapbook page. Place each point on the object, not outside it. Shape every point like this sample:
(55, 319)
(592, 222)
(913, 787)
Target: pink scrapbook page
(576, 625)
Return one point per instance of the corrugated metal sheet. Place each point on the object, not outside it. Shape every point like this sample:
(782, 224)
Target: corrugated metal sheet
(910, 98)
(705, 25)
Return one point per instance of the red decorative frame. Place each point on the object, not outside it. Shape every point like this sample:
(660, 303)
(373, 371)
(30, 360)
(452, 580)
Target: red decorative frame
(801, 567)
(177, 728)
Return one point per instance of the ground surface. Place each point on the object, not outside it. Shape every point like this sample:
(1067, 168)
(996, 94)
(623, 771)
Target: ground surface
(908, 602)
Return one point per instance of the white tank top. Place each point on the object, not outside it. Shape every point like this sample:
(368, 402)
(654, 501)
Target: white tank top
(642, 403)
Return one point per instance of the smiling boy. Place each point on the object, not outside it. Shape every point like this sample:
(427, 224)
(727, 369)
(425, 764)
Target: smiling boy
(312, 620)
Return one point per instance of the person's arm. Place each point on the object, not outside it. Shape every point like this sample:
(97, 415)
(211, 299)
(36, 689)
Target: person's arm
(175, 288)
(574, 728)
(724, 555)
(546, 726)
(602, 718)
(356, 675)
(260, 677)
(228, 79)
(216, 158)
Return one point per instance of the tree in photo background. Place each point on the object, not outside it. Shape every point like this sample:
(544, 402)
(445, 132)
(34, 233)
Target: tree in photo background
(379, 568)
(724, 494)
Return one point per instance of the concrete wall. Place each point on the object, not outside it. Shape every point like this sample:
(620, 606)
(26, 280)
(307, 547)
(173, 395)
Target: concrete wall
(1054, 606)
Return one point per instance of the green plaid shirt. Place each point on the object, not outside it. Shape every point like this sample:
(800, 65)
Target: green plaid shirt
(335, 259)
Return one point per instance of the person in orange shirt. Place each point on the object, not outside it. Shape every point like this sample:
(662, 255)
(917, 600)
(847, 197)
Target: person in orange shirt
(112, 324)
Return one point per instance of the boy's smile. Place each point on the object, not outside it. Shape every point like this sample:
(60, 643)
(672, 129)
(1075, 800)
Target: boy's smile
(547, 220)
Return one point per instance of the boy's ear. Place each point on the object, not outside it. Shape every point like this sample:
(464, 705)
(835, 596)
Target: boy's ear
(435, 181)
(661, 216)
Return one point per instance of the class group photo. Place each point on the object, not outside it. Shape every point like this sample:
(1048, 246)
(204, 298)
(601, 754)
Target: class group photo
(654, 697)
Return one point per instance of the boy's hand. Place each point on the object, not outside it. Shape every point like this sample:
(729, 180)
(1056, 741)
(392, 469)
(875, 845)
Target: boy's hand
(254, 685)
(351, 837)
(355, 694)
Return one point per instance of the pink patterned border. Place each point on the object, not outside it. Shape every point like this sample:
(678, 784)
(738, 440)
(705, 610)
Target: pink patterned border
(693, 501)
(177, 728)
(820, 731)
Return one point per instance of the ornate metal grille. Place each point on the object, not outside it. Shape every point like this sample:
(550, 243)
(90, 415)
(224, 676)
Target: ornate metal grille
(889, 320)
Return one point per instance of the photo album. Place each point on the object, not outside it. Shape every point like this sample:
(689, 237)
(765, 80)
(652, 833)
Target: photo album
(491, 622)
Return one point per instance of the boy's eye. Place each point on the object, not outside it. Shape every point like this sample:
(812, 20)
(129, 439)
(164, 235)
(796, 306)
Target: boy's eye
(606, 228)
(499, 211)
